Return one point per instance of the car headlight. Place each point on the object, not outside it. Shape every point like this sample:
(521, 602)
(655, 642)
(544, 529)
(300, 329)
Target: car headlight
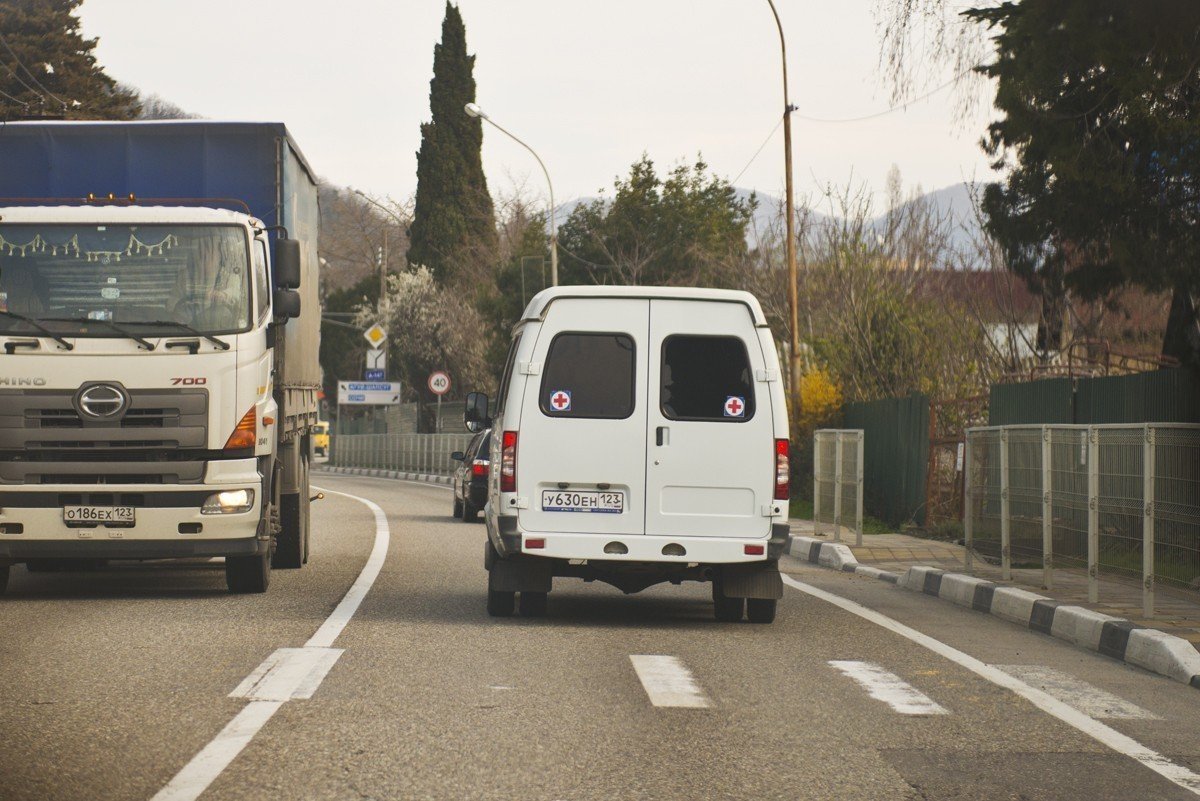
(228, 502)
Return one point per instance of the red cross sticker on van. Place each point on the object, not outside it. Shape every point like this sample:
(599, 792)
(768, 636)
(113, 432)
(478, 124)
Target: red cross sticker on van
(560, 400)
(735, 406)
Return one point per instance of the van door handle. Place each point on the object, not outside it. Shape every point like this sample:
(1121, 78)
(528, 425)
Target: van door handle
(660, 435)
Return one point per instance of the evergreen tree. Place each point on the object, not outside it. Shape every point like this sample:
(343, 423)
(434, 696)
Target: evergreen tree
(48, 68)
(453, 230)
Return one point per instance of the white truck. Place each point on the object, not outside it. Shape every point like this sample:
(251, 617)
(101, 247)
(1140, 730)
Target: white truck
(640, 436)
(159, 375)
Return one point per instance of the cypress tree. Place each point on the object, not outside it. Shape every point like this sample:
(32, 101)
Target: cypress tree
(46, 55)
(453, 225)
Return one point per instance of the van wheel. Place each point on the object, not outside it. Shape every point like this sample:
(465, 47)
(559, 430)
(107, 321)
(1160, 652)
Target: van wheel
(469, 513)
(458, 508)
(500, 603)
(247, 574)
(533, 604)
(726, 610)
(761, 610)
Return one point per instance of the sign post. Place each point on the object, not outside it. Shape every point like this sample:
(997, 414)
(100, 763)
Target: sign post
(439, 384)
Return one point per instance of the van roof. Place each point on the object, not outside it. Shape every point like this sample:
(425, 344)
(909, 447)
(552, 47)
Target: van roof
(536, 310)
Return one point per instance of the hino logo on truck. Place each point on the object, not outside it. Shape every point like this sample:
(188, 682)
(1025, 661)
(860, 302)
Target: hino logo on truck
(22, 382)
(101, 400)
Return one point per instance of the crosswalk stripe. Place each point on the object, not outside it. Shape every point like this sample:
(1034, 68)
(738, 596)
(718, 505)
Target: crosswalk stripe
(889, 688)
(1089, 700)
(668, 682)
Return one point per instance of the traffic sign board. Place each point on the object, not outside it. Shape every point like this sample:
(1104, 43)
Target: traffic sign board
(369, 393)
(439, 382)
(376, 359)
(375, 375)
(375, 335)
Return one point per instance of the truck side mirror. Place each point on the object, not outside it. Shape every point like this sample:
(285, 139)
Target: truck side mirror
(287, 304)
(475, 413)
(287, 264)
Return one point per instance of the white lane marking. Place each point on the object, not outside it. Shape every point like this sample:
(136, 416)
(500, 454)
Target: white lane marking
(1177, 774)
(288, 673)
(668, 682)
(1075, 692)
(889, 688)
(280, 675)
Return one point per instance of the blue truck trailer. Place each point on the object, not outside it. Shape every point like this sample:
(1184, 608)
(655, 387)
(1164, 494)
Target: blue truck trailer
(159, 332)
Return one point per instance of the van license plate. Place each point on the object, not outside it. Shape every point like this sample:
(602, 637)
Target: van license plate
(603, 502)
(121, 515)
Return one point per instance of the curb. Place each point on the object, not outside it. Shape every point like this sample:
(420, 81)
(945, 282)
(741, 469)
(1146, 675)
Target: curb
(375, 472)
(1151, 649)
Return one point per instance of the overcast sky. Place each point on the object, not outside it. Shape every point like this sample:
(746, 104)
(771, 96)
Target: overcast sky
(590, 85)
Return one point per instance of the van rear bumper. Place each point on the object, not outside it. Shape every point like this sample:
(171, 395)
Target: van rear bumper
(643, 548)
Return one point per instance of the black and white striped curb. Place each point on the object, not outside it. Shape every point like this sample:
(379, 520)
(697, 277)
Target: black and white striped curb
(1154, 650)
(375, 472)
(836, 556)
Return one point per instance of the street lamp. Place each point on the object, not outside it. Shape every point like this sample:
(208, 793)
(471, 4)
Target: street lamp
(473, 110)
(793, 276)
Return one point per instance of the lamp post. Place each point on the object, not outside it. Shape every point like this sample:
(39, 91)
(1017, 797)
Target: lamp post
(383, 252)
(793, 276)
(473, 110)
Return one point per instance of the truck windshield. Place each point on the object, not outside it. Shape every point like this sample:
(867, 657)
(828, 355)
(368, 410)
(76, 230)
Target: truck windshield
(145, 276)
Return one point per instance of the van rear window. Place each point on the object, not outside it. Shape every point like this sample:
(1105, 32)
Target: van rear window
(589, 375)
(706, 378)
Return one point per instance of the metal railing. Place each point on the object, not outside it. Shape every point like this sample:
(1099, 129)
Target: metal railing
(1118, 500)
(838, 481)
(408, 453)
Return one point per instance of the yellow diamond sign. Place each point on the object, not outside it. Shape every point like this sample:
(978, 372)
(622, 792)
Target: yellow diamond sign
(375, 335)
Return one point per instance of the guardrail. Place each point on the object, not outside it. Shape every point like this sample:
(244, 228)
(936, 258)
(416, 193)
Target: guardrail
(838, 480)
(415, 453)
(1123, 500)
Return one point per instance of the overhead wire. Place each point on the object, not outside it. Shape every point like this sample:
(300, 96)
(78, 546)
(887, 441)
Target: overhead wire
(886, 111)
(757, 152)
(32, 77)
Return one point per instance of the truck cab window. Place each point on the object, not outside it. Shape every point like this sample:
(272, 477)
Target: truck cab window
(706, 378)
(262, 287)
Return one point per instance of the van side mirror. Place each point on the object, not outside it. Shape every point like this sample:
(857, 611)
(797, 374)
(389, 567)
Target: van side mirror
(458, 456)
(287, 304)
(476, 411)
(287, 264)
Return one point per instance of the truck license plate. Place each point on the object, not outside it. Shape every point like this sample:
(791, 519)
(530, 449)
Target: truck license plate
(603, 502)
(120, 515)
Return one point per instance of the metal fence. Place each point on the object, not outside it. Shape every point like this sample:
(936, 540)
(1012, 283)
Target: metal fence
(1115, 500)
(838, 481)
(410, 453)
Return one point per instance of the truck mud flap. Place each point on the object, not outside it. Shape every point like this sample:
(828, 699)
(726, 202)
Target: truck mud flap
(752, 581)
(520, 575)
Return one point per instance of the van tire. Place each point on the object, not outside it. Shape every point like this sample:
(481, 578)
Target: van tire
(458, 508)
(533, 604)
(469, 513)
(761, 610)
(248, 574)
(726, 610)
(501, 603)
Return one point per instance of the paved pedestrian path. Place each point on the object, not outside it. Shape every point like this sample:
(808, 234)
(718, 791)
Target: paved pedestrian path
(1176, 612)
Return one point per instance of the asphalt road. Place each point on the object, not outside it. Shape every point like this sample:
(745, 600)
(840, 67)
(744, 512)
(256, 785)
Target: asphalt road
(115, 680)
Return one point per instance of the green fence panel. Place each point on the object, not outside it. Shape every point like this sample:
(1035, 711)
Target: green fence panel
(1050, 401)
(895, 456)
(1161, 396)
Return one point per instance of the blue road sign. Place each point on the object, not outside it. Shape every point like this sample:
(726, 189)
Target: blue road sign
(375, 375)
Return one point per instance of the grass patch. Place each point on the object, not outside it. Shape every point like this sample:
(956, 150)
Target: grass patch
(802, 509)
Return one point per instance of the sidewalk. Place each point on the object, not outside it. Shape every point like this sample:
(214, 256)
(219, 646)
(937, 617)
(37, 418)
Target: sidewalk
(1175, 613)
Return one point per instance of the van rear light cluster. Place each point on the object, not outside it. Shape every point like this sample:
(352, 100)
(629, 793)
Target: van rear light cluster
(508, 462)
(783, 470)
(480, 468)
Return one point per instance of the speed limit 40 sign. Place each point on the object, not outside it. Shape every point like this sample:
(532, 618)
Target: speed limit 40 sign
(439, 382)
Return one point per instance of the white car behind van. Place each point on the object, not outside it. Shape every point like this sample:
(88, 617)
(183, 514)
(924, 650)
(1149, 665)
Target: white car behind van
(640, 436)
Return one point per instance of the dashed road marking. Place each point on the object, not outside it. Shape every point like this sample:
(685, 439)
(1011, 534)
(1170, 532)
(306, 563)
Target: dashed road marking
(1077, 693)
(1122, 744)
(286, 674)
(668, 682)
(889, 688)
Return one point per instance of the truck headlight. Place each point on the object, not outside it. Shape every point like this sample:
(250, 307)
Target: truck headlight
(228, 502)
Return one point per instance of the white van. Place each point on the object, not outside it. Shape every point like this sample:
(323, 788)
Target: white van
(640, 436)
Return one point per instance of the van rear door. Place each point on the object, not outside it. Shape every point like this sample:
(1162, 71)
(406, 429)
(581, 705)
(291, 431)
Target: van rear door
(710, 450)
(581, 450)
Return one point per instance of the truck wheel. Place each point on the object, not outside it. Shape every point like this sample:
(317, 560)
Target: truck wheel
(245, 574)
(3, 577)
(761, 610)
(726, 610)
(293, 538)
(458, 508)
(533, 604)
(500, 603)
(469, 513)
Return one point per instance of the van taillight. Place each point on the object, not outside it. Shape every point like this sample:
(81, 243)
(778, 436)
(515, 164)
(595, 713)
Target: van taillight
(783, 470)
(508, 462)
